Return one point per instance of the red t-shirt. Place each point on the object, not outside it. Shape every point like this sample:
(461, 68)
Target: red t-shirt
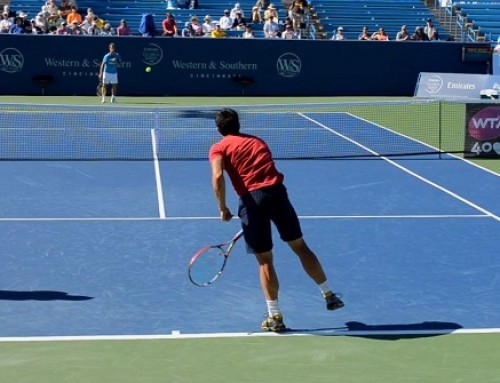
(247, 161)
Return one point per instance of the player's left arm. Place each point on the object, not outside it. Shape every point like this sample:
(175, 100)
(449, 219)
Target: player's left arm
(219, 187)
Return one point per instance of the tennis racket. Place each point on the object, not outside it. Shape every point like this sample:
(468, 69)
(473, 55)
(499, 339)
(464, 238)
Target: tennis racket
(207, 265)
(98, 90)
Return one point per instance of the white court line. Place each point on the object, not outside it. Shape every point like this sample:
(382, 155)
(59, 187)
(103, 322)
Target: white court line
(438, 151)
(406, 170)
(172, 218)
(156, 162)
(324, 332)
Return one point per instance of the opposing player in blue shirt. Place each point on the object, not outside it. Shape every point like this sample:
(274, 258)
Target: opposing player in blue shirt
(108, 72)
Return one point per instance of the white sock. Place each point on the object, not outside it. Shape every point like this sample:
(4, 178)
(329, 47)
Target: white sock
(272, 308)
(324, 287)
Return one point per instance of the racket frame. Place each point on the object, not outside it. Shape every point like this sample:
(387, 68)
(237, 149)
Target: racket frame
(225, 249)
(98, 90)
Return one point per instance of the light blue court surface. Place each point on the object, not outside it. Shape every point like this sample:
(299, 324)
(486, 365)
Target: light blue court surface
(85, 250)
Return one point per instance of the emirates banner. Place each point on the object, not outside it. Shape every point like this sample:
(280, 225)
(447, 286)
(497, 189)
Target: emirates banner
(482, 131)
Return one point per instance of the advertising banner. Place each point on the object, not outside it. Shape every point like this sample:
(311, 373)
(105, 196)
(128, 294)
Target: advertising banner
(455, 85)
(482, 131)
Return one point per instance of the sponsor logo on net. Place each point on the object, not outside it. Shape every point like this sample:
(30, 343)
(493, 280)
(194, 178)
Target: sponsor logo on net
(288, 65)
(11, 60)
(484, 126)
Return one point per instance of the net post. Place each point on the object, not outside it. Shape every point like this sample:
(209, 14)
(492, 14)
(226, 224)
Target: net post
(440, 129)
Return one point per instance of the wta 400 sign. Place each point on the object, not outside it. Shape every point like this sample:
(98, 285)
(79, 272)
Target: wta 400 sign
(482, 131)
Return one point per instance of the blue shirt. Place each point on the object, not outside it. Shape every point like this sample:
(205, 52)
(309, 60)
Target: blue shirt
(111, 61)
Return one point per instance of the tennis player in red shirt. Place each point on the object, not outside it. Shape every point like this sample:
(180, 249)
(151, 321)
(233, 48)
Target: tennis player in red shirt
(263, 199)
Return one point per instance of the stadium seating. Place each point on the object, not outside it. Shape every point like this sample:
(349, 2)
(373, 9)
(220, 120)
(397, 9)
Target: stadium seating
(477, 20)
(326, 15)
(374, 14)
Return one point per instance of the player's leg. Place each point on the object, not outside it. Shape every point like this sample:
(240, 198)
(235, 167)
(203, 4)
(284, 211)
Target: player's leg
(257, 233)
(288, 225)
(105, 81)
(270, 287)
(114, 87)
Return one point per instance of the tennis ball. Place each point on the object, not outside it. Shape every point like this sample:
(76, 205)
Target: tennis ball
(148, 69)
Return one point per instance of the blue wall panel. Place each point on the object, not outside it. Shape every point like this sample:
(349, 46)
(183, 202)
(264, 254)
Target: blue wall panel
(214, 67)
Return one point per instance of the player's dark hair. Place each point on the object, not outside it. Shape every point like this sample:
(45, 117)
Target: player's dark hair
(227, 122)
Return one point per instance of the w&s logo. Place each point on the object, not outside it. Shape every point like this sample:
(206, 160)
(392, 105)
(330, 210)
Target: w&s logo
(288, 65)
(11, 60)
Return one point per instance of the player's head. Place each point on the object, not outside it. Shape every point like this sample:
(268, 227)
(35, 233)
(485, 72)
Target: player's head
(227, 122)
(112, 47)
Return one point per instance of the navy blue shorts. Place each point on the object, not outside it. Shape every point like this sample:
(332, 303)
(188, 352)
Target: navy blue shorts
(257, 209)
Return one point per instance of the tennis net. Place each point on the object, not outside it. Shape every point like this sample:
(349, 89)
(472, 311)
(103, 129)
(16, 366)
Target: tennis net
(299, 131)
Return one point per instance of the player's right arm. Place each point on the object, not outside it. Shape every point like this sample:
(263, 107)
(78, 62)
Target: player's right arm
(219, 187)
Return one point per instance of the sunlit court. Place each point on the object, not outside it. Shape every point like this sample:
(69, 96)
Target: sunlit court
(103, 207)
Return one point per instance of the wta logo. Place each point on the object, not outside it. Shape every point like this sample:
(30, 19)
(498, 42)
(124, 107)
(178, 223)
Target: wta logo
(485, 125)
(11, 60)
(288, 65)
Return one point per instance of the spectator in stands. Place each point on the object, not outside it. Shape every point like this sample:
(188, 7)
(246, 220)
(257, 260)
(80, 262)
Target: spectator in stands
(430, 30)
(239, 22)
(403, 34)
(53, 10)
(87, 24)
(74, 16)
(218, 32)
(94, 29)
(41, 24)
(248, 34)
(225, 21)
(256, 16)
(123, 29)
(5, 22)
(107, 30)
(196, 26)
(262, 4)
(192, 4)
(288, 33)
(234, 12)
(65, 9)
(62, 29)
(364, 35)
(271, 28)
(18, 26)
(208, 26)
(339, 35)
(99, 23)
(11, 14)
(169, 26)
(28, 27)
(286, 22)
(75, 29)
(35, 30)
(296, 12)
(380, 35)
(26, 21)
(419, 34)
(187, 31)
(57, 20)
(271, 11)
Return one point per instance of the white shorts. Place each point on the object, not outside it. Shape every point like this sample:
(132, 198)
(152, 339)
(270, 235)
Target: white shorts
(110, 78)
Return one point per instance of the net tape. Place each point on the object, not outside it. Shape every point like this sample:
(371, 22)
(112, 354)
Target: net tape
(350, 130)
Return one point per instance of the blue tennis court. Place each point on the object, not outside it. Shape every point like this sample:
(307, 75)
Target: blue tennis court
(101, 247)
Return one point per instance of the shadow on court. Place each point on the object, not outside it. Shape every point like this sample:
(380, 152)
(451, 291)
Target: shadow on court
(400, 331)
(40, 295)
(383, 332)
